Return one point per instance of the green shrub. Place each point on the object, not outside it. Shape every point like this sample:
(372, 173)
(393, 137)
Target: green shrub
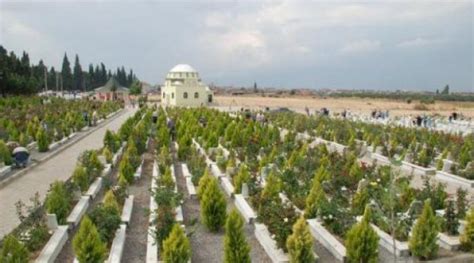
(110, 141)
(243, 176)
(13, 251)
(213, 206)
(42, 139)
(38, 237)
(81, 178)
(126, 170)
(300, 243)
(461, 202)
(467, 237)
(423, 241)
(164, 222)
(87, 243)
(176, 248)
(314, 200)
(5, 154)
(166, 180)
(203, 183)
(108, 155)
(452, 221)
(58, 201)
(107, 220)
(362, 241)
(111, 201)
(236, 248)
(91, 163)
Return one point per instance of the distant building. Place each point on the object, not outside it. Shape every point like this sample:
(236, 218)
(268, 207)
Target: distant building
(112, 90)
(184, 88)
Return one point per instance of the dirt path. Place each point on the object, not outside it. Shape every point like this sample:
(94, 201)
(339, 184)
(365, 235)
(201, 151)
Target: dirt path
(208, 247)
(137, 231)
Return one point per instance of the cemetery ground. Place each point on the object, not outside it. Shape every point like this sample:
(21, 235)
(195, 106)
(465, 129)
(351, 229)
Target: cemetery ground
(39, 178)
(355, 105)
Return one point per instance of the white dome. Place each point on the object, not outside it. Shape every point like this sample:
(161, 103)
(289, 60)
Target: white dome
(183, 68)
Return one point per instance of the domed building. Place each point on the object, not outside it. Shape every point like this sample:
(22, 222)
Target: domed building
(184, 88)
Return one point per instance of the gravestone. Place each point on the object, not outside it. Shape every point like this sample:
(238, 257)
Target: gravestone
(245, 190)
(362, 185)
(415, 208)
(51, 222)
(447, 164)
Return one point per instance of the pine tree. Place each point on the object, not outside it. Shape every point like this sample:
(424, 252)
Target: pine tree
(78, 75)
(322, 174)
(467, 237)
(362, 241)
(423, 241)
(452, 221)
(213, 207)
(272, 187)
(461, 202)
(42, 139)
(236, 248)
(176, 248)
(125, 169)
(107, 154)
(314, 200)
(80, 178)
(300, 243)
(87, 244)
(13, 251)
(166, 180)
(203, 183)
(66, 74)
(58, 201)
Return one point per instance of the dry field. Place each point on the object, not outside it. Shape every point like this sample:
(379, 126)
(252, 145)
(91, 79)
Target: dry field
(355, 105)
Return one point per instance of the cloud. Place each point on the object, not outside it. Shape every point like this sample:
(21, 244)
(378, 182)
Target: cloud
(361, 46)
(419, 42)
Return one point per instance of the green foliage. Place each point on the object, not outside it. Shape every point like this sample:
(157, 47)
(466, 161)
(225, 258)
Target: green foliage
(315, 199)
(126, 170)
(362, 241)
(165, 220)
(13, 251)
(300, 243)
(236, 248)
(87, 243)
(213, 206)
(136, 88)
(243, 176)
(42, 139)
(166, 180)
(272, 187)
(58, 201)
(90, 161)
(176, 248)
(110, 201)
(461, 202)
(107, 219)
(452, 221)
(359, 201)
(81, 178)
(423, 241)
(5, 154)
(108, 155)
(467, 237)
(203, 183)
(111, 141)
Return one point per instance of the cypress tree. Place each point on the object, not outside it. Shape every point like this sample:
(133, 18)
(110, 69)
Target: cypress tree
(314, 200)
(5, 155)
(80, 178)
(213, 207)
(300, 243)
(111, 201)
(423, 241)
(461, 202)
(467, 237)
(42, 139)
(78, 75)
(87, 244)
(362, 241)
(66, 73)
(203, 183)
(452, 221)
(125, 169)
(242, 177)
(236, 248)
(176, 248)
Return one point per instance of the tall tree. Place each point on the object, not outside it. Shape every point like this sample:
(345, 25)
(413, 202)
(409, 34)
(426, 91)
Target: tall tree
(423, 241)
(362, 241)
(300, 243)
(236, 248)
(66, 74)
(78, 75)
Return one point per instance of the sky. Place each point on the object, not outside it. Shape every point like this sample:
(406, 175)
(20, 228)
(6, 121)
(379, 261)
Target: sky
(380, 45)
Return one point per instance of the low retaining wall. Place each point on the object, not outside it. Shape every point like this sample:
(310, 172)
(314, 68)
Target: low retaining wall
(116, 250)
(244, 208)
(54, 246)
(94, 188)
(319, 232)
(127, 210)
(79, 210)
(454, 179)
(269, 245)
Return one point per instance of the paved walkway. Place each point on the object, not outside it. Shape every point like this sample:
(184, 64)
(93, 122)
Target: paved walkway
(59, 167)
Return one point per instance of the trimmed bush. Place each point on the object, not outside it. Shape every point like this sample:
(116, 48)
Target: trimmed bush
(423, 241)
(451, 218)
(165, 219)
(107, 220)
(108, 155)
(362, 241)
(111, 201)
(58, 201)
(126, 169)
(242, 177)
(176, 248)
(203, 183)
(87, 243)
(166, 180)
(213, 207)
(300, 243)
(13, 251)
(314, 200)
(236, 248)
(42, 139)
(467, 237)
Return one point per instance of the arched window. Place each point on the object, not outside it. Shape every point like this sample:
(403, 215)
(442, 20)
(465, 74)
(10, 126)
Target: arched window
(185, 95)
(196, 95)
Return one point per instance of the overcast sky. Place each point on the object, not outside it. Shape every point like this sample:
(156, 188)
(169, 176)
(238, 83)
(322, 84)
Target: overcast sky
(389, 45)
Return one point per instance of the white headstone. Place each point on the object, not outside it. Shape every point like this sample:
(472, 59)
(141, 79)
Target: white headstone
(51, 221)
(245, 190)
(447, 165)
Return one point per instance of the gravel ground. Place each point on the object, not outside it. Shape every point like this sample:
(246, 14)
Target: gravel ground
(208, 247)
(137, 231)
